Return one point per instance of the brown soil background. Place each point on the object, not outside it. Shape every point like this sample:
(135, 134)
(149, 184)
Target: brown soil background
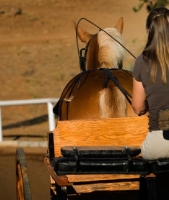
(38, 56)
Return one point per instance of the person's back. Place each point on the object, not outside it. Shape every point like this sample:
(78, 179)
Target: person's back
(151, 82)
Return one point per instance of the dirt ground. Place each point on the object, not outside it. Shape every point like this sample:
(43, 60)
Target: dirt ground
(38, 52)
(38, 56)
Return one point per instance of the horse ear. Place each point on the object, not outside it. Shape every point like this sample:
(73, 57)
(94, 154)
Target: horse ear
(119, 25)
(83, 35)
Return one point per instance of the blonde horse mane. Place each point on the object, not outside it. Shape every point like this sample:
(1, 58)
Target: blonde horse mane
(111, 52)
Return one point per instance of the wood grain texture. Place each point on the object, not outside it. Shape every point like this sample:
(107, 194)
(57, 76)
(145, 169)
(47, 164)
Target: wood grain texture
(23, 191)
(118, 186)
(102, 132)
(98, 177)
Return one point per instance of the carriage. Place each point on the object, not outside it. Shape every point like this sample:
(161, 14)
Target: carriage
(96, 146)
(87, 156)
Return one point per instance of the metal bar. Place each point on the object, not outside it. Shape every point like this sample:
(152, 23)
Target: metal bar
(51, 116)
(49, 102)
(27, 101)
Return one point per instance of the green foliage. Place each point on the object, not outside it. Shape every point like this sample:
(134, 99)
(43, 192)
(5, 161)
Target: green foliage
(150, 4)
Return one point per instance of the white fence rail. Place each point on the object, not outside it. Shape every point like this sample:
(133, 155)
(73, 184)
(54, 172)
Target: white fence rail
(48, 101)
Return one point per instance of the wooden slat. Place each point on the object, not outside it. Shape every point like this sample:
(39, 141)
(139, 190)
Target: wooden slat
(98, 177)
(118, 186)
(115, 182)
(109, 132)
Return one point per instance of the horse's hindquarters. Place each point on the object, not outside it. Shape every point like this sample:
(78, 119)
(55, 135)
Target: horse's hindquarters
(87, 96)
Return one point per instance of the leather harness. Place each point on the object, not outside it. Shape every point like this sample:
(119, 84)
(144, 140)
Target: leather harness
(109, 76)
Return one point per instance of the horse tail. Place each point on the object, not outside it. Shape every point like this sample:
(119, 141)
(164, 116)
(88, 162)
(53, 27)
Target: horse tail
(112, 103)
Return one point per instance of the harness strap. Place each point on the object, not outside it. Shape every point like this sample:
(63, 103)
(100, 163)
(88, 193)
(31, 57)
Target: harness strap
(116, 82)
(83, 57)
(106, 80)
(69, 92)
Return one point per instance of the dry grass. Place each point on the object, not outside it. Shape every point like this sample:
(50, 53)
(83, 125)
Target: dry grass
(38, 54)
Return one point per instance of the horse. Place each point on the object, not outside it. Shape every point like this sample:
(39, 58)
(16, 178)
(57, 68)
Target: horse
(103, 89)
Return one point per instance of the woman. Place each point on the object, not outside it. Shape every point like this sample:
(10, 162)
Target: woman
(151, 82)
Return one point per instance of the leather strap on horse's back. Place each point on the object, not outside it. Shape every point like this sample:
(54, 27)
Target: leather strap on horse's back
(69, 92)
(116, 82)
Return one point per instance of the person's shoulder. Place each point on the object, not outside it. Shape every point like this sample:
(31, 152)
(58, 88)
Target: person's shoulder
(140, 58)
(139, 62)
(138, 69)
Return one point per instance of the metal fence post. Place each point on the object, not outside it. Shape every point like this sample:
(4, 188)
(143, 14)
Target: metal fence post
(51, 117)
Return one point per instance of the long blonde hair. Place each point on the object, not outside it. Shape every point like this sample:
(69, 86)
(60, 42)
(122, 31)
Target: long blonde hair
(157, 47)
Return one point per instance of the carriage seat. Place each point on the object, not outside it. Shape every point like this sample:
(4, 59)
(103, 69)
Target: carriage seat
(106, 160)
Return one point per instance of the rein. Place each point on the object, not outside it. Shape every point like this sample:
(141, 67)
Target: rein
(107, 71)
(100, 29)
(117, 83)
(82, 61)
(83, 57)
(69, 92)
